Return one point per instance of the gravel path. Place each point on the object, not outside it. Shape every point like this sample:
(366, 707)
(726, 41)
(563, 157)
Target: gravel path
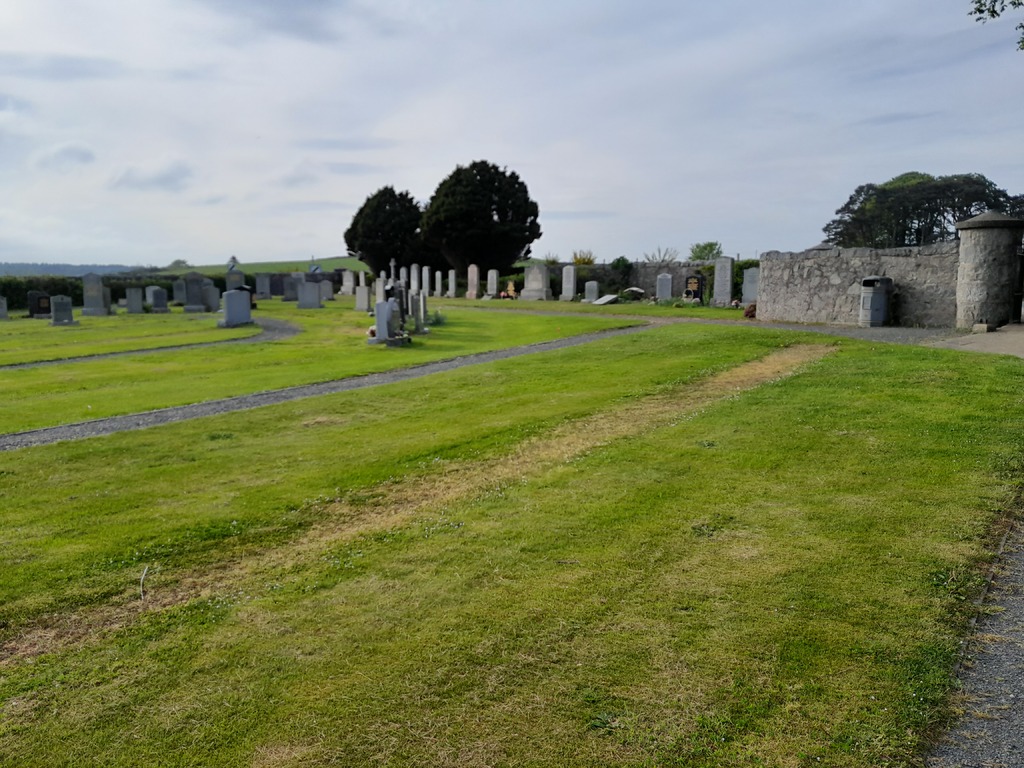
(991, 732)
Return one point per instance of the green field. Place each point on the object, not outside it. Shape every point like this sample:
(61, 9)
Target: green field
(254, 267)
(700, 545)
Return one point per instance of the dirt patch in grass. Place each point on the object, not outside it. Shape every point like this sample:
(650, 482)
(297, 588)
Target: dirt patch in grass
(403, 500)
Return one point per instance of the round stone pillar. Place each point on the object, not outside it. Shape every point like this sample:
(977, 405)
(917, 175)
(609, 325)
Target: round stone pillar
(989, 273)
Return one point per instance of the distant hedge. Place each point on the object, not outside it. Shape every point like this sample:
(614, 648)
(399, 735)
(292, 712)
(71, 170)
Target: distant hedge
(15, 289)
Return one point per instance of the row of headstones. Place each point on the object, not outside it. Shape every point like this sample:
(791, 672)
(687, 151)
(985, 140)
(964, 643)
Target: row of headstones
(722, 295)
(395, 308)
(43, 306)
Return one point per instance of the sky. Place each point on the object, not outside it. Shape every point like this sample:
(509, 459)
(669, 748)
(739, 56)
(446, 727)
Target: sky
(143, 132)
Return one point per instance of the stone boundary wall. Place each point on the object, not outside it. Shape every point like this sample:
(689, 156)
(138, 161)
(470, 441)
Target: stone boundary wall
(646, 275)
(824, 285)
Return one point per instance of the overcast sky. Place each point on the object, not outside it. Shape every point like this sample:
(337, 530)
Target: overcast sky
(147, 131)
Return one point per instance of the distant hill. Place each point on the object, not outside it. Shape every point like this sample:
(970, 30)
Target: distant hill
(23, 269)
(327, 265)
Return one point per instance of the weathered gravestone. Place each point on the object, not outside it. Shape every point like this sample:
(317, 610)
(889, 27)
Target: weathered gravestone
(133, 296)
(262, 285)
(179, 291)
(211, 297)
(362, 279)
(414, 278)
(39, 305)
(663, 292)
(590, 292)
(148, 293)
(234, 279)
(237, 309)
(403, 275)
(451, 283)
(425, 279)
(751, 278)
(538, 284)
(722, 296)
(380, 287)
(348, 283)
(3, 309)
(194, 301)
(60, 309)
(438, 284)
(277, 281)
(309, 296)
(608, 298)
(362, 298)
(158, 300)
(92, 296)
(326, 290)
(568, 283)
(473, 282)
(290, 286)
(492, 284)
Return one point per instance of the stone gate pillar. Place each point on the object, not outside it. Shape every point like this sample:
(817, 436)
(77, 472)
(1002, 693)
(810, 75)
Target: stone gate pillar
(989, 274)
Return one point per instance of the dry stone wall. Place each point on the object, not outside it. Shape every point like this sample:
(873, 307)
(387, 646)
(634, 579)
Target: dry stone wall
(824, 285)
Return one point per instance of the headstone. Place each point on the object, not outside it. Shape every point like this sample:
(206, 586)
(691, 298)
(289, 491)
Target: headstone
(362, 279)
(438, 284)
(392, 265)
(326, 290)
(362, 298)
(3, 309)
(751, 278)
(39, 305)
(149, 293)
(237, 309)
(380, 286)
(425, 279)
(277, 282)
(414, 278)
(492, 283)
(451, 283)
(290, 286)
(92, 296)
(568, 283)
(403, 276)
(158, 300)
(538, 286)
(590, 292)
(722, 296)
(608, 298)
(211, 297)
(348, 282)
(60, 308)
(194, 300)
(664, 289)
(134, 299)
(234, 279)
(309, 296)
(381, 321)
(473, 282)
(107, 301)
(694, 287)
(262, 285)
(178, 292)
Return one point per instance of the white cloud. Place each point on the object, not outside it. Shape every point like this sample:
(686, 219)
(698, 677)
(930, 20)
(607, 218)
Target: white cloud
(210, 127)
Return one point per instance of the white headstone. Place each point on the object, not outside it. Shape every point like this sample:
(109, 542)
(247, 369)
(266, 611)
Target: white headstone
(451, 283)
(473, 282)
(590, 292)
(538, 284)
(664, 289)
(492, 283)
(568, 283)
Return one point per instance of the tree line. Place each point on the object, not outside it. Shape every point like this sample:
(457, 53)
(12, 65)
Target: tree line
(480, 214)
(916, 209)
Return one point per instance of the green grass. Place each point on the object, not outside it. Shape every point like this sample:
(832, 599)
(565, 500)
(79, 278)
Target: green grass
(778, 578)
(331, 346)
(29, 341)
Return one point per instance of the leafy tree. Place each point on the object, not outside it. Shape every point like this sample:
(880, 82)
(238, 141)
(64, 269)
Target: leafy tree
(983, 10)
(481, 214)
(708, 251)
(583, 258)
(178, 264)
(621, 270)
(386, 227)
(913, 209)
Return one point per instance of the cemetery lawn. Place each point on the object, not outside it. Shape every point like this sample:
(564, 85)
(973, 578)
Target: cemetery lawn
(33, 341)
(695, 546)
(332, 345)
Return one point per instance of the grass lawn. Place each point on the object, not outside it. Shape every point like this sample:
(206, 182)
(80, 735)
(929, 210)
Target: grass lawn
(696, 546)
(332, 345)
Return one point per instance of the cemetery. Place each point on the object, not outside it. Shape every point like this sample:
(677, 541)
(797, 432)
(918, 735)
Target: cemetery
(676, 543)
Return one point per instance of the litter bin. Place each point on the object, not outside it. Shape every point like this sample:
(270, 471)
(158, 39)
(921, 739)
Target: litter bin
(874, 301)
